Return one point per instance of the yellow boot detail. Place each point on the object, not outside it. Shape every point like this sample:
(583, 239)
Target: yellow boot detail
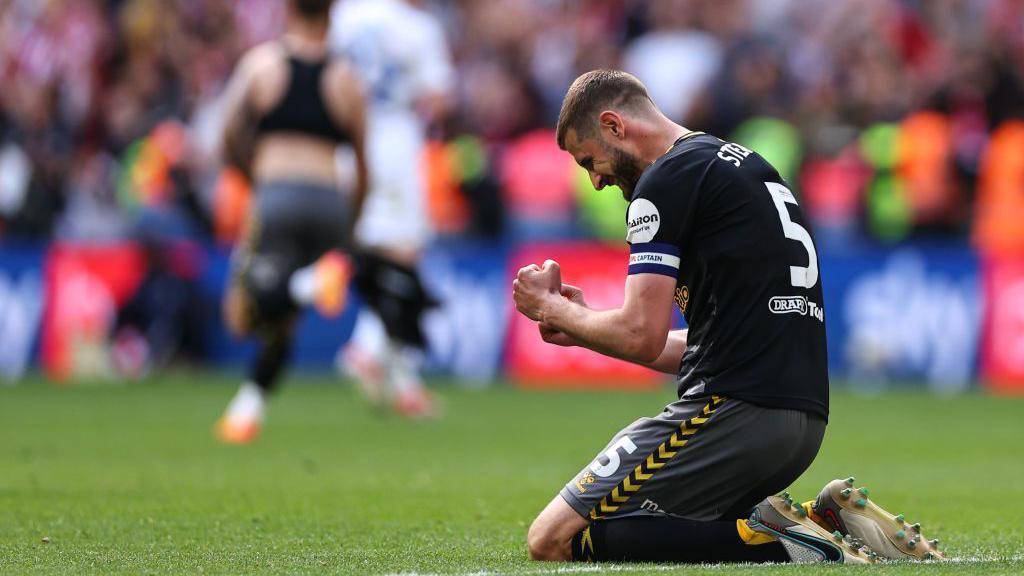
(809, 508)
(750, 537)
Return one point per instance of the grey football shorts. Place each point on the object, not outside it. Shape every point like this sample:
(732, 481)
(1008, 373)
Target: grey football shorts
(701, 458)
(292, 224)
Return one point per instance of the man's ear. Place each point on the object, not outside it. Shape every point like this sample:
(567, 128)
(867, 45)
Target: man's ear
(613, 122)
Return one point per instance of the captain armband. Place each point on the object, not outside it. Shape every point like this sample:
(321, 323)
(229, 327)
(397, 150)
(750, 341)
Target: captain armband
(654, 258)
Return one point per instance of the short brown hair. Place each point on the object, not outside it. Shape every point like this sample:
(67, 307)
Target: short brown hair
(594, 92)
(312, 8)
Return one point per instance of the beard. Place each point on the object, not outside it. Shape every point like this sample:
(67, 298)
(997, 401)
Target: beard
(627, 169)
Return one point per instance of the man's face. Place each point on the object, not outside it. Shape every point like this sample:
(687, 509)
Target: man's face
(607, 163)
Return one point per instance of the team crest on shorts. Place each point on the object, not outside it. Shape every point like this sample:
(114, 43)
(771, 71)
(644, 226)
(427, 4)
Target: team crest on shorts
(582, 483)
(682, 298)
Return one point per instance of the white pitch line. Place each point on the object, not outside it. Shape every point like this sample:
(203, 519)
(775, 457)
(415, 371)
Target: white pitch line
(609, 568)
(592, 569)
(978, 559)
(557, 570)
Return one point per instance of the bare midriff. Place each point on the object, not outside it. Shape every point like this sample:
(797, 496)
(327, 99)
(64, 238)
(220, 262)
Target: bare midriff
(295, 157)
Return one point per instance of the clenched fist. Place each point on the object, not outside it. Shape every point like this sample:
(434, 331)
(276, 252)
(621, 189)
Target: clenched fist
(553, 336)
(534, 286)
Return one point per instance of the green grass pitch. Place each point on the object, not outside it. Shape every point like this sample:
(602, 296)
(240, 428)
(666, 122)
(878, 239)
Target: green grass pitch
(130, 480)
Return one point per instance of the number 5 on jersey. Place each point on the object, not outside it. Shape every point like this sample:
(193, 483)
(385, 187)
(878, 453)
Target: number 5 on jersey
(800, 276)
(612, 454)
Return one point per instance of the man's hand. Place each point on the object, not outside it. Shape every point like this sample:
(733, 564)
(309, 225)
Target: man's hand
(553, 336)
(534, 287)
(573, 294)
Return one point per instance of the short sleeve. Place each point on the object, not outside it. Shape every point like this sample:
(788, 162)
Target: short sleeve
(659, 220)
(433, 68)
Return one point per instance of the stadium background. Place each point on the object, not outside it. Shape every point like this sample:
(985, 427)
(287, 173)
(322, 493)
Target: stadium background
(907, 152)
(898, 122)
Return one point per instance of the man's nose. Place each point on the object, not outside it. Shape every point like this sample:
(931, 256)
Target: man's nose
(595, 179)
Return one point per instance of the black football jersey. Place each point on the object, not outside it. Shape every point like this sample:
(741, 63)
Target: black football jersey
(721, 221)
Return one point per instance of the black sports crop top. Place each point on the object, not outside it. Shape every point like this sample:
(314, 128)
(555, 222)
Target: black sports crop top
(302, 109)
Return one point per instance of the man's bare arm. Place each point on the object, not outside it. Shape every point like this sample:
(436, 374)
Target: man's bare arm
(235, 141)
(347, 104)
(672, 354)
(636, 332)
(667, 362)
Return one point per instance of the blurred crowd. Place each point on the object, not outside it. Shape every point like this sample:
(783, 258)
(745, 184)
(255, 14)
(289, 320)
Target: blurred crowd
(891, 118)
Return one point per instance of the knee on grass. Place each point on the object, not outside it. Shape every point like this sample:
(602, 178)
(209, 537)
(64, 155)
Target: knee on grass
(544, 545)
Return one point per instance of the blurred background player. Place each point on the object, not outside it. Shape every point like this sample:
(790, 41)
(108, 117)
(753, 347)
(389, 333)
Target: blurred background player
(400, 52)
(287, 108)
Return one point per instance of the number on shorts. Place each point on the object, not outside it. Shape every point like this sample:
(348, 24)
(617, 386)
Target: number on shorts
(606, 470)
(799, 276)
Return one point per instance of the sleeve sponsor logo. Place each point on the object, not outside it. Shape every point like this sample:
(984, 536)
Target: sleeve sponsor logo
(642, 221)
(796, 305)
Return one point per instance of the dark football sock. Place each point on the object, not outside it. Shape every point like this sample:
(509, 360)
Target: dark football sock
(397, 294)
(669, 539)
(274, 351)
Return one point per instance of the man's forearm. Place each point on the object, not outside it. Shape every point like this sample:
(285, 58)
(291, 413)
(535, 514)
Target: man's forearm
(667, 362)
(610, 332)
(672, 355)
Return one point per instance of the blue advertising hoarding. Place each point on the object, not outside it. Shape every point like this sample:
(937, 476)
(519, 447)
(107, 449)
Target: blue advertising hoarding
(909, 313)
(21, 307)
(466, 333)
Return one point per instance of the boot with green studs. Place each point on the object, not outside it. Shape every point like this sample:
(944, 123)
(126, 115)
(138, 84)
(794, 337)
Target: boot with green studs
(843, 507)
(803, 539)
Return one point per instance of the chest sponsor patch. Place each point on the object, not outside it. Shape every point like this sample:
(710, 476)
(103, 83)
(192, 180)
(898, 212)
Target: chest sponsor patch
(642, 221)
(799, 305)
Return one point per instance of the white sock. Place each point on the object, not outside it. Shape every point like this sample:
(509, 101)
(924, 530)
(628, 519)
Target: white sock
(370, 336)
(404, 368)
(248, 403)
(304, 285)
